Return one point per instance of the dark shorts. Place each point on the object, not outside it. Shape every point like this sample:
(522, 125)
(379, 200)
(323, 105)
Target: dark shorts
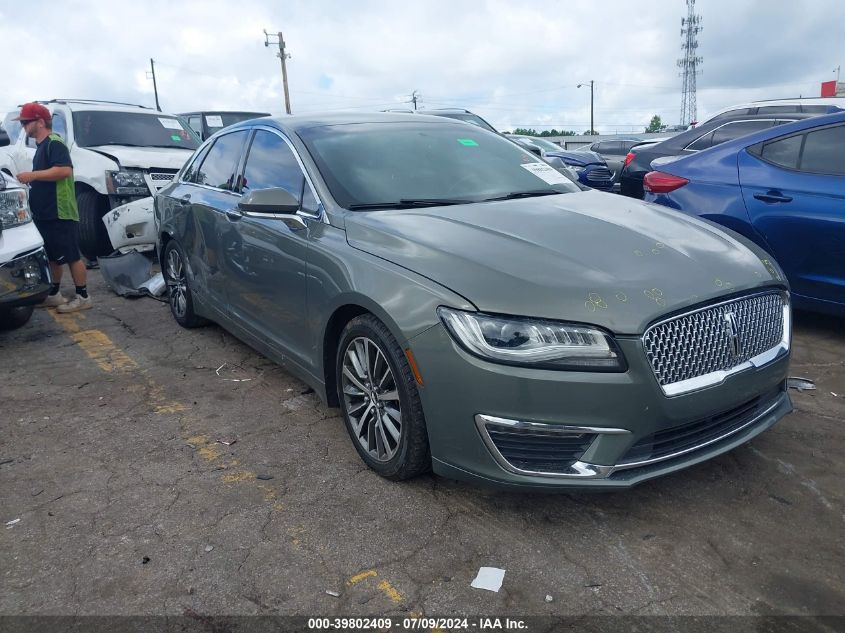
(61, 240)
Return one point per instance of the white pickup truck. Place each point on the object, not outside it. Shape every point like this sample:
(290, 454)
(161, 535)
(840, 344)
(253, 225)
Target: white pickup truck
(120, 153)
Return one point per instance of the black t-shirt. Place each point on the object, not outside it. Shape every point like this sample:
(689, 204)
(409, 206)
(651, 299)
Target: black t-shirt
(52, 200)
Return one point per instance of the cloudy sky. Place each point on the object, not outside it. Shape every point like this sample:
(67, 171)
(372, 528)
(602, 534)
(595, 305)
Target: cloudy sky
(517, 64)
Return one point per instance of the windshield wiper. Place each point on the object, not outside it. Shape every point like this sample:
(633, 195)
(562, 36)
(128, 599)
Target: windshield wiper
(408, 203)
(513, 195)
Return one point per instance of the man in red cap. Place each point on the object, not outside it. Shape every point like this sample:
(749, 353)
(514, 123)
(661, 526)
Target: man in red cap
(52, 199)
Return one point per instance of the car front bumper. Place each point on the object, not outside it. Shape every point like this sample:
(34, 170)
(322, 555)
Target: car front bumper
(24, 280)
(594, 430)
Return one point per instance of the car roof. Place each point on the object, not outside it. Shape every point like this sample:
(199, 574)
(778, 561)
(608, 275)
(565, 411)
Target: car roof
(831, 101)
(260, 114)
(305, 121)
(105, 106)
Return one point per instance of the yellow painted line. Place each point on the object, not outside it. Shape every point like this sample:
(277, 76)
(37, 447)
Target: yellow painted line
(102, 351)
(233, 478)
(390, 591)
(209, 453)
(359, 577)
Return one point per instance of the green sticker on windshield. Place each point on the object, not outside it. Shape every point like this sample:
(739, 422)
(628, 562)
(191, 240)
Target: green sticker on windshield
(468, 142)
(175, 137)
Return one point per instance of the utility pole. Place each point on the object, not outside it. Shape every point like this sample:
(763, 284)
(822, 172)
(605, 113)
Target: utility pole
(836, 70)
(592, 127)
(414, 98)
(155, 88)
(282, 56)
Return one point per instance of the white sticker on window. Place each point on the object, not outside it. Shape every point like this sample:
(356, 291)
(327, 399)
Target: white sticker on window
(170, 124)
(214, 120)
(545, 172)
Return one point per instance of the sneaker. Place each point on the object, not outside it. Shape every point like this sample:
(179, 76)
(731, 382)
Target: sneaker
(74, 305)
(53, 301)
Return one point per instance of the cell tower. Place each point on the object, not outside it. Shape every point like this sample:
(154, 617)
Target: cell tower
(690, 28)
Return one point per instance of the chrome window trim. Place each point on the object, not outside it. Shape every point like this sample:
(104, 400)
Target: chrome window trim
(718, 377)
(579, 469)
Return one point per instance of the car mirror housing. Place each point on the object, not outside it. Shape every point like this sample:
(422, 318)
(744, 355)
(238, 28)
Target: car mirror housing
(275, 200)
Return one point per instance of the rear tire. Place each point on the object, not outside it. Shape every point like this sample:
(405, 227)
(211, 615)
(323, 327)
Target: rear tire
(380, 402)
(93, 236)
(12, 318)
(179, 294)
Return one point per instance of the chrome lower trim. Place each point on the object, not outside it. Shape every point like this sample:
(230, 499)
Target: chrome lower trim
(581, 470)
(751, 422)
(585, 470)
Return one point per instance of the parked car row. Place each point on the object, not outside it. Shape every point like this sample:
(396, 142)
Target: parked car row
(469, 308)
(783, 188)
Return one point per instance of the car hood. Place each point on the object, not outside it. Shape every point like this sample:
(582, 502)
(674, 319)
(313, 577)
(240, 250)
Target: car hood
(144, 157)
(587, 257)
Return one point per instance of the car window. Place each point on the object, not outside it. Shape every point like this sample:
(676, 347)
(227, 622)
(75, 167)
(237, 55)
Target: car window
(730, 113)
(627, 145)
(192, 169)
(13, 128)
(702, 142)
(780, 109)
(218, 168)
(784, 152)
(60, 125)
(378, 163)
(733, 130)
(271, 163)
(196, 123)
(133, 129)
(823, 153)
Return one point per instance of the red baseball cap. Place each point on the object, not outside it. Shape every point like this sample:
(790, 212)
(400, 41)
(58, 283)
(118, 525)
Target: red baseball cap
(32, 112)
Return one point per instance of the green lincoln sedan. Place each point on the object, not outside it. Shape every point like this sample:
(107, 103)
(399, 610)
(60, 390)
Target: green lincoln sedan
(470, 309)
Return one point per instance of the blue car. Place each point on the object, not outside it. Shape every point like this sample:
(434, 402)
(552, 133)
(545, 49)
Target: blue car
(587, 167)
(783, 188)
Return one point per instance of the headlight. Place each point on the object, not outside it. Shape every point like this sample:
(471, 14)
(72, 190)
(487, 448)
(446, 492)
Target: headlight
(14, 208)
(126, 183)
(533, 342)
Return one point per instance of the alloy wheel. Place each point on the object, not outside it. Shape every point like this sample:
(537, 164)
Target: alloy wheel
(177, 283)
(372, 399)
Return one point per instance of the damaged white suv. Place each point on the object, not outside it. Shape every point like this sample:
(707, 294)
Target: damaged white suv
(120, 153)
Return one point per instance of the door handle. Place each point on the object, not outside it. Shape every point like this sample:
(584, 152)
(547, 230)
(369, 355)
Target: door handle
(772, 196)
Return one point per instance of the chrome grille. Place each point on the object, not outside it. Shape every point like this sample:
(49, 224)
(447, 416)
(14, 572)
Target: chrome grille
(599, 174)
(716, 338)
(160, 179)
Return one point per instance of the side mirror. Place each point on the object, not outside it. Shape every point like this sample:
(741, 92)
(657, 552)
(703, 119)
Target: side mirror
(275, 200)
(534, 150)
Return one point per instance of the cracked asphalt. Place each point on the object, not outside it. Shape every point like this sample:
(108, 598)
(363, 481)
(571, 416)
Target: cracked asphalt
(127, 503)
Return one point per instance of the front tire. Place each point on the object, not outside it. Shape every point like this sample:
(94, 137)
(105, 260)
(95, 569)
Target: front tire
(93, 237)
(12, 318)
(380, 402)
(178, 290)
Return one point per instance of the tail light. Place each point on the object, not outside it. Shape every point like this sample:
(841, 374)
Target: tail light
(628, 158)
(659, 182)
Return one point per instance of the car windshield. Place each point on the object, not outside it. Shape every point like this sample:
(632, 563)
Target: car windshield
(402, 164)
(466, 117)
(134, 129)
(218, 120)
